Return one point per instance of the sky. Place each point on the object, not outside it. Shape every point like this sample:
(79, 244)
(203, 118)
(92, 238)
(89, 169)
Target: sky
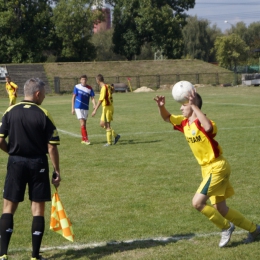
(232, 11)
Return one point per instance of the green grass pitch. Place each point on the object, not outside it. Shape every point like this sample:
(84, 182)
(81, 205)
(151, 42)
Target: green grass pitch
(133, 200)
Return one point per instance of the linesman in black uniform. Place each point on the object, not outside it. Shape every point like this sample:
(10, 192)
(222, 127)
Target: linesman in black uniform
(32, 135)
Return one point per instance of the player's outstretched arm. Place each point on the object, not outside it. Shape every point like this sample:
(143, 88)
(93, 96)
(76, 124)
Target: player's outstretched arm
(72, 104)
(93, 102)
(160, 100)
(96, 108)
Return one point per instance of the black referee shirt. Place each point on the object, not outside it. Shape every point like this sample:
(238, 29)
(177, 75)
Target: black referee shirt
(29, 129)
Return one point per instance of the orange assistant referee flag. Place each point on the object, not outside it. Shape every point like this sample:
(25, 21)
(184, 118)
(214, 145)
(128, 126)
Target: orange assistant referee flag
(60, 222)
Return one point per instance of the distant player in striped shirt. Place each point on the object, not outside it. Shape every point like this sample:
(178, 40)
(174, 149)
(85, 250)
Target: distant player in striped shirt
(80, 105)
(200, 134)
(11, 89)
(106, 99)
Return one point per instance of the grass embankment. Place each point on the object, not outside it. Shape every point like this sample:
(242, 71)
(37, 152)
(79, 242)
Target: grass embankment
(130, 68)
(142, 73)
(149, 73)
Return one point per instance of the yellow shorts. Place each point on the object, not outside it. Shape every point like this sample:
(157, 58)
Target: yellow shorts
(107, 114)
(215, 183)
(12, 99)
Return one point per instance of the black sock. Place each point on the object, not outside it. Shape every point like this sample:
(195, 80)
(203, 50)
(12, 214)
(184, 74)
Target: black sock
(6, 230)
(38, 225)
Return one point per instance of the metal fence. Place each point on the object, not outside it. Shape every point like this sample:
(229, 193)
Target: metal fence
(66, 85)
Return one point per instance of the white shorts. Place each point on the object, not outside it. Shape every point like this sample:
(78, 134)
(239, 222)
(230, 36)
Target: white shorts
(81, 113)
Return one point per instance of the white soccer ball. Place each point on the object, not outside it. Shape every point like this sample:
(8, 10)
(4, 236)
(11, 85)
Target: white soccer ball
(181, 90)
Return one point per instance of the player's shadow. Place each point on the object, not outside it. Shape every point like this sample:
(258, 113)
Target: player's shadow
(116, 247)
(233, 244)
(127, 142)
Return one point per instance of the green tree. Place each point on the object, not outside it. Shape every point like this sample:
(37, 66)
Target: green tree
(127, 41)
(241, 30)
(157, 22)
(248, 34)
(230, 50)
(147, 52)
(74, 21)
(25, 30)
(198, 38)
(253, 32)
(104, 46)
(254, 54)
(251, 36)
(213, 32)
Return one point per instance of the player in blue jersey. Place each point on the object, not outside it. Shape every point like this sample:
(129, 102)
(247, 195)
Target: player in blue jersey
(80, 105)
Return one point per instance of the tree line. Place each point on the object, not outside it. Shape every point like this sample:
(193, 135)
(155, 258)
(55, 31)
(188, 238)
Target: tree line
(62, 30)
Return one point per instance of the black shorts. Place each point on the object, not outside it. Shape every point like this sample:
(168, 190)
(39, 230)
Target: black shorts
(34, 171)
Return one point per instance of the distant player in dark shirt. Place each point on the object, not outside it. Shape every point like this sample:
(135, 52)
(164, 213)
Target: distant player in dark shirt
(32, 135)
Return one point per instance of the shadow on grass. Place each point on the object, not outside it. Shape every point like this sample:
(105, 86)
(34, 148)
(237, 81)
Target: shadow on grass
(112, 247)
(126, 142)
(233, 244)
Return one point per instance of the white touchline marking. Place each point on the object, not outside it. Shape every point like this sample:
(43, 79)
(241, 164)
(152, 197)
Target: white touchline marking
(142, 133)
(68, 133)
(129, 242)
(241, 127)
(125, 134)
(236, 104)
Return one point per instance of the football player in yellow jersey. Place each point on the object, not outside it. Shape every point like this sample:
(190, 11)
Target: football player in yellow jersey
(200, 134)
(11, 89)
(106, 99)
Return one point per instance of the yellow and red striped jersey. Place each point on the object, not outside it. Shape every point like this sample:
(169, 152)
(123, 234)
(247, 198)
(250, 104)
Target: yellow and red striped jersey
(106, 95)
(203, 145)
(11, 88)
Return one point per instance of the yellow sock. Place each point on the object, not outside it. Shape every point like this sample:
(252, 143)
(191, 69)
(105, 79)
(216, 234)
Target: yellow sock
(214, 216)
(109, 136)
(113, 133)
(239, 220)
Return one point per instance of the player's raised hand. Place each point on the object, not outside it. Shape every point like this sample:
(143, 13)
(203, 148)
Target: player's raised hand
(192, 97)
(160, 100)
